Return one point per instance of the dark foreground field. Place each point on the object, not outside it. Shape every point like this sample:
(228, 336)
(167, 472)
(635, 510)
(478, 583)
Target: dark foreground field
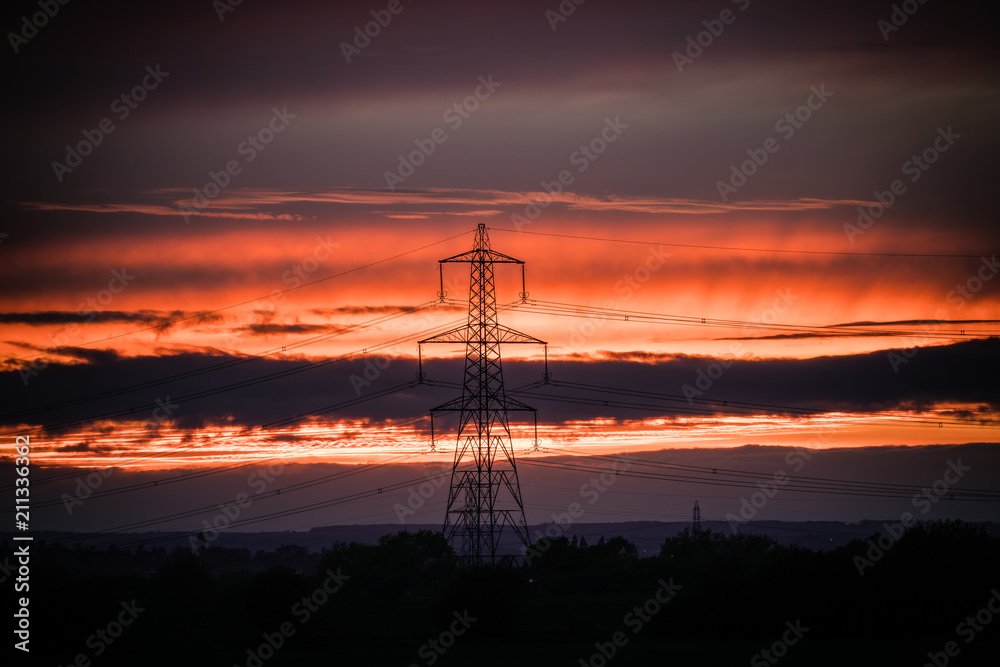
(705, 599)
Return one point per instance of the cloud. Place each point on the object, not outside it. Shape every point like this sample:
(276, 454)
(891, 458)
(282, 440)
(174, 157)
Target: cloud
(863, 333)
(371, 310)
(281, 329)
(149, 317)
(891, 323)
(154, 209)
(246, 202)
(92, 357)
(797, 336)
(237, 391)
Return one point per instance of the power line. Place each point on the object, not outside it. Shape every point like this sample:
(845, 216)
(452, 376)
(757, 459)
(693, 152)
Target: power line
(906, 489)
(353, 497)
(241, 384)
(229, 363)
(795, 484)
(127, 462)
(593, 312)
(231, 386)
(732, 406)
(150, 484)
(736, 249)
(323, 479)
(746, 484)
(198, 316)
(330, 408)
(183, 477)
(837, 487)
(695, 411)
(733, 478)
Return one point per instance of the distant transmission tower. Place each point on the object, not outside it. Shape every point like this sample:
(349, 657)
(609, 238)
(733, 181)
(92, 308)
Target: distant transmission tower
(485, 497)
(696, 524)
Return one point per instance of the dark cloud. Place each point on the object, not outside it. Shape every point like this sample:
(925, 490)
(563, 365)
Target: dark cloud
(83, 446)
(859, 334)
(947, 323)
(91, 356)
(220, 389)
(156, 318)
(281, 329)
(372, 310)
(353, 119)
(951, 325)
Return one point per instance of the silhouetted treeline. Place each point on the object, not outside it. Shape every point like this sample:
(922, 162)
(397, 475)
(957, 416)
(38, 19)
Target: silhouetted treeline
(406, 588)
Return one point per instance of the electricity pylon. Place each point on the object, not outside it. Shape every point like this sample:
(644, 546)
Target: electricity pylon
(696, 523)
(484, 498)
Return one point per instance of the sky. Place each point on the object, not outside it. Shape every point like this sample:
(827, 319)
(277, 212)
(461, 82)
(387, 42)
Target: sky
(748, 223)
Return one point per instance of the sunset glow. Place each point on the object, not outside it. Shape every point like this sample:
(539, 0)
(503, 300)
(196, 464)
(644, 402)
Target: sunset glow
(787, 241)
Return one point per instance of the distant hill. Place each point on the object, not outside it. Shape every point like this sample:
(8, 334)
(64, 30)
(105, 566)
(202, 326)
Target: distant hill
(646, 535)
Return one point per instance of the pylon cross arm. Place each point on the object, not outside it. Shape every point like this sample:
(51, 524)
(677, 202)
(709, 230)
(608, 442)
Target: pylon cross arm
(469, 404)
(491, 256)
(467, 334)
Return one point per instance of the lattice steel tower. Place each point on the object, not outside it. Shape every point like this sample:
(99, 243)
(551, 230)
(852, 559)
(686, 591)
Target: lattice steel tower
(696, 523)
(485, 497)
